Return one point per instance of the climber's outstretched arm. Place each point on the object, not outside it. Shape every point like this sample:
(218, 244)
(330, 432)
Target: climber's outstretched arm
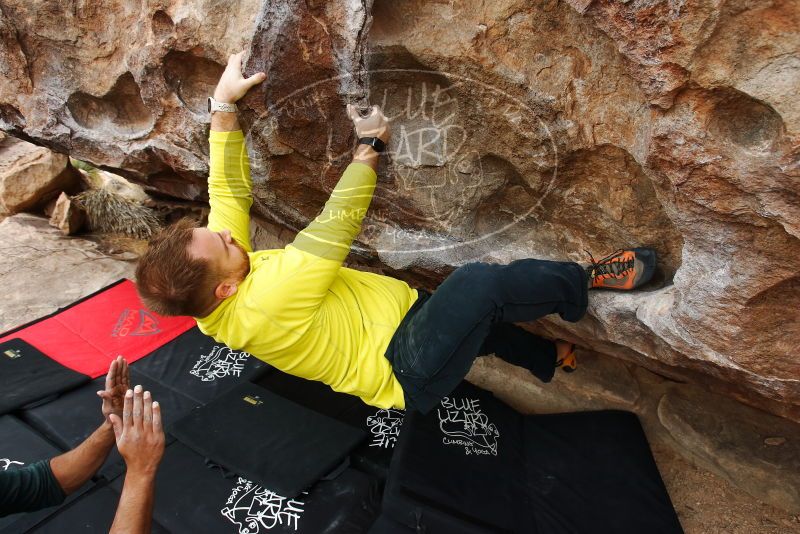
(229, 182)
(312, 261)
(331, 233)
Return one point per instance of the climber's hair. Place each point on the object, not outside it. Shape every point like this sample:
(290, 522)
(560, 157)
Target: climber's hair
(169, 280)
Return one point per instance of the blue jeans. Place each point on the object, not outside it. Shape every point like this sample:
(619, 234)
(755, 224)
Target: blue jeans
(470, 314)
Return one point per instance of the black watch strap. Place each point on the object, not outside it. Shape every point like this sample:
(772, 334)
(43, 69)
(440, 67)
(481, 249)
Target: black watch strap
(375, 142)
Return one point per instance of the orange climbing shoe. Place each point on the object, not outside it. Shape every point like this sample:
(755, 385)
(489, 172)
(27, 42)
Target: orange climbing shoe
(570, 361)
(624, 269)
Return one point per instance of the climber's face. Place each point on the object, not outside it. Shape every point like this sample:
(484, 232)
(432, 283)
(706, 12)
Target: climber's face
(227, 257)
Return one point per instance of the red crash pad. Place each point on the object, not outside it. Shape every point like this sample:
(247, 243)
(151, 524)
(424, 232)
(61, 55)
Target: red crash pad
(87, 335)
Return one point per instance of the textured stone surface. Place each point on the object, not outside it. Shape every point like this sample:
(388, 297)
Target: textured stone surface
(520, 129)
(41, 270)
(602, 383)
(31, 175)
(706, 173)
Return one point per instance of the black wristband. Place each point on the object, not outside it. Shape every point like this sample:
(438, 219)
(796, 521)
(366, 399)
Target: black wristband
(375, 142)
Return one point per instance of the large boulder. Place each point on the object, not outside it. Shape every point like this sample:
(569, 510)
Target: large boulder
(31, 175)
(520, 129)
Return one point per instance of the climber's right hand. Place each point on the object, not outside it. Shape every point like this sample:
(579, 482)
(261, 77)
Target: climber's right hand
(232, 85)
(372, 124)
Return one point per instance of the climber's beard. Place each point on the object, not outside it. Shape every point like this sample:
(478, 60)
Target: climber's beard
(242, 269)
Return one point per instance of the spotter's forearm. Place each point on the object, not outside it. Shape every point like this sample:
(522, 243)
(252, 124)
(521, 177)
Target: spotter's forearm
(73, 468)
(135, 510)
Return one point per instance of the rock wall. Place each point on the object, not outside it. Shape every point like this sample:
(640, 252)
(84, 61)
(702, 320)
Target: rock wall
(520, 129)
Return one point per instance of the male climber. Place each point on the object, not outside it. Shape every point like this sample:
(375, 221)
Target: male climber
(361, 333)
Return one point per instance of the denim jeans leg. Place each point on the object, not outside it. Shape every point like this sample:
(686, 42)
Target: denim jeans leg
(519, 347)
(435, 345)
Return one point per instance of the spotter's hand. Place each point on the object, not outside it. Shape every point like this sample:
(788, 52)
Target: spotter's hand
(118, 381)
(139, 433)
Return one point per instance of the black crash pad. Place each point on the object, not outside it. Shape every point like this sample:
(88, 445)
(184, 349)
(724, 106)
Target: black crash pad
(21, 445)
(93, 512)
(199, 367)
(474, 465)
(382, 426)
(27, 375)
(266, 438)
(458, 468)
(197, 497)
(311, 394)
(594, 472)
(71, 418)
(384, 525)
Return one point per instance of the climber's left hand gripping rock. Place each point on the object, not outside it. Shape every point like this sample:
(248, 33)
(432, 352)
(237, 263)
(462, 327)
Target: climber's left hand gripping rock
(233, 85)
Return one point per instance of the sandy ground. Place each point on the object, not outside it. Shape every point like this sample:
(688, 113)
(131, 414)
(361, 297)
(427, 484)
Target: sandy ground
(708, 504)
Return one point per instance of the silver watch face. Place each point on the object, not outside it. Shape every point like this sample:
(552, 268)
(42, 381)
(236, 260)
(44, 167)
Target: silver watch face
(209, 104)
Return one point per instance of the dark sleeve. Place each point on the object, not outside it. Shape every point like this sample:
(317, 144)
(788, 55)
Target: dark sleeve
(28, 489)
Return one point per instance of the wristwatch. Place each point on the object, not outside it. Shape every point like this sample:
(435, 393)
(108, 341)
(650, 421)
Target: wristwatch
(213, 106)
(375, 142)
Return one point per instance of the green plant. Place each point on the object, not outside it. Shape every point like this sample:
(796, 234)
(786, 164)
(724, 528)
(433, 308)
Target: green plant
(107, 212)
(91, 172)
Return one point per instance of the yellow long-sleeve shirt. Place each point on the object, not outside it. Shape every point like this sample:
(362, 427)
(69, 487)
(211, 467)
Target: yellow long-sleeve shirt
(299, 309)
